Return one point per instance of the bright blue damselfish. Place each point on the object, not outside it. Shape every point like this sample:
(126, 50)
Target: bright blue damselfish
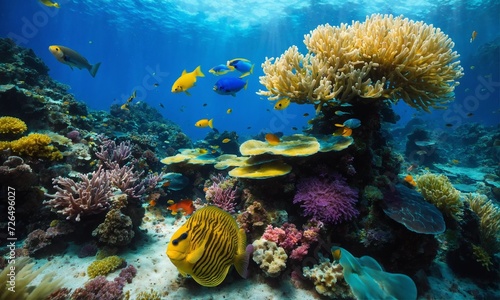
(229, 86)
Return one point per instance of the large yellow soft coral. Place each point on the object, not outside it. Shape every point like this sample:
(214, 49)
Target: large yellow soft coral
(489, 221)
(438, 190)
(385, 57)
(12, 125)
(35, 145)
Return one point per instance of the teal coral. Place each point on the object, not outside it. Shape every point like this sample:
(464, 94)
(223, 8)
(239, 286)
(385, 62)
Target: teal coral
(368, 281)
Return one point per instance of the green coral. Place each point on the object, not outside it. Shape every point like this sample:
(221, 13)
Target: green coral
(438, 190)
(104, 266)
(482, 256)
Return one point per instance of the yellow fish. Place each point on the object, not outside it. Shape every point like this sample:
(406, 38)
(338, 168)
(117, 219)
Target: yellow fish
(282, 104)
(228, 111)
(72, 58)
(186, 81)
(207, 245)
(205, 123)
(226, 140)
(50, 3)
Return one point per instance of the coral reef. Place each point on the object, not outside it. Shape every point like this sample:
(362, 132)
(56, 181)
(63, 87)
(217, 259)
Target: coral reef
(270, 257)
(326, 198)
(383, 57)
(438, 190)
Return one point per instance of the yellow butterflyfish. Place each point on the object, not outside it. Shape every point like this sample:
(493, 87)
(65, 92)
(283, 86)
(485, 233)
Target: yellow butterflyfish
(207, 245)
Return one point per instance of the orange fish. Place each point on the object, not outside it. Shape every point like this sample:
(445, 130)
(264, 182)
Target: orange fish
(473, 36)
(153, 198)
(408, 178)
(272, 139)
(185, 205)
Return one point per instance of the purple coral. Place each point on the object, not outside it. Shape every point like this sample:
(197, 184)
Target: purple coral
(111, 153)
(222, 193)
(327, 198)
(75, 199)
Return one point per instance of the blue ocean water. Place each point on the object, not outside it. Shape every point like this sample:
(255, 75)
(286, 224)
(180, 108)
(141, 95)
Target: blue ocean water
(140, 43)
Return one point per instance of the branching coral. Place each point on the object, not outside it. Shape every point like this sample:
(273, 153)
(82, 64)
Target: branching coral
(75, 199)
(383, 57)
(438, 190)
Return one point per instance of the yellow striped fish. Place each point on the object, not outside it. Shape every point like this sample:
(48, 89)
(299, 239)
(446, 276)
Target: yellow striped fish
(207, 245)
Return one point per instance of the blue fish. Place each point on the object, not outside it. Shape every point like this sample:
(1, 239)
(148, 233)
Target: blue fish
(243, 65)
(352, 123)
(347, 127)
(229, 86)
(221, 69)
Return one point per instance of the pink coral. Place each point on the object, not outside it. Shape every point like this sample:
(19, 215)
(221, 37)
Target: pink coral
(327, 198)
(222, 193)
(295, 242)
(76, 199)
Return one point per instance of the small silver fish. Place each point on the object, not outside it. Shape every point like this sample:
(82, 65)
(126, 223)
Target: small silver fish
(341, 113)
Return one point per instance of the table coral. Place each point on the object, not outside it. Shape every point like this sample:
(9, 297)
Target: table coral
(384, 57)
